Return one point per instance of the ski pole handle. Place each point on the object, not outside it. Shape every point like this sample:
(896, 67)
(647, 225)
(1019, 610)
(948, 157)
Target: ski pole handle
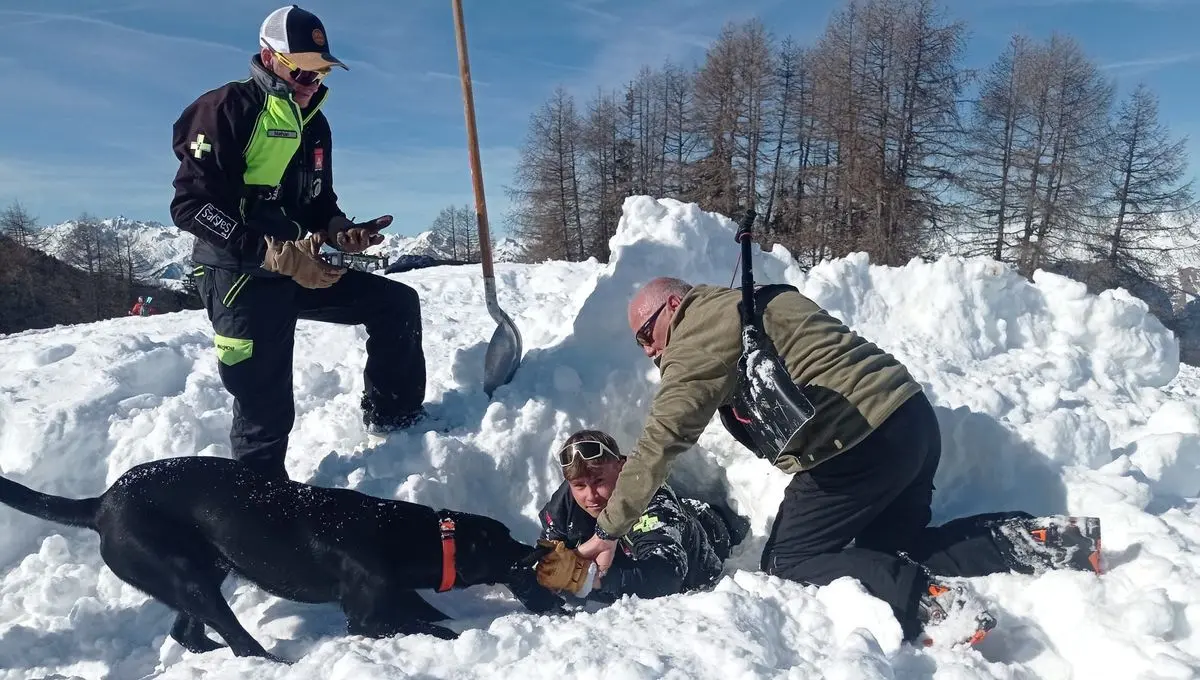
(744, 227)
(743, 236)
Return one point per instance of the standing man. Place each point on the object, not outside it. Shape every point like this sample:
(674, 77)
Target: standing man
(255, 186)
(859, 503)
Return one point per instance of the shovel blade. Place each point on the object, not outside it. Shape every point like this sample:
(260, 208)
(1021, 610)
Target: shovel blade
(503, 355)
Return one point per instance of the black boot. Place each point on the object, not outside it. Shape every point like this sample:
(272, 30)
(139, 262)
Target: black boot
(1040, 544)
(381, 416)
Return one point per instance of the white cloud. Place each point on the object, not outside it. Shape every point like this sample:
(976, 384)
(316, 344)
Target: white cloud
(649, 34)
(1132, 67)
(36, 18)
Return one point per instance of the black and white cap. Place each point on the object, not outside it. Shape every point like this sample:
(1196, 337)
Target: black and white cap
(300, 35)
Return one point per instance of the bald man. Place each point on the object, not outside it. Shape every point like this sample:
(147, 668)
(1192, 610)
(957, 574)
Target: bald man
(862, 471)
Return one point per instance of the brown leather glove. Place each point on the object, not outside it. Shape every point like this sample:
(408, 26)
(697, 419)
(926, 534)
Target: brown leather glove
(562, 569)
(300, 260)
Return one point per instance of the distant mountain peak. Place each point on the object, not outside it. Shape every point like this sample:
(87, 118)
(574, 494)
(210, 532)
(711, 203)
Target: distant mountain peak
(168, 249)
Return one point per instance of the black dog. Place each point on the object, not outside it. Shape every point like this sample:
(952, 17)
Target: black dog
(175, 528)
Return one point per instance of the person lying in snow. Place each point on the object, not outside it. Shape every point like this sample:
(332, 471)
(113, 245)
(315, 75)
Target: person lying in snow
(676, 545)
(858, 504)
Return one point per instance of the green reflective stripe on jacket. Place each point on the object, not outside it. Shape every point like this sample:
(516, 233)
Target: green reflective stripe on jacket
(236, 288)
(232, 351)
(275, 140)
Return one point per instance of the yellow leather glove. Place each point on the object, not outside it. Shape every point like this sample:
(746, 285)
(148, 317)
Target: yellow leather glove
(563, 569)
(300, 260)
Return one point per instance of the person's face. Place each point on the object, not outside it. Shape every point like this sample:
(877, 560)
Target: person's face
(592, 492)
(650, 329)
(304, 84)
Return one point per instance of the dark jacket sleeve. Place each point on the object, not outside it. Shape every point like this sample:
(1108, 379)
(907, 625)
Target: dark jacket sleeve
(550, 527)
(659, 563)
(554, 517)
(208, 184)
(325, 206)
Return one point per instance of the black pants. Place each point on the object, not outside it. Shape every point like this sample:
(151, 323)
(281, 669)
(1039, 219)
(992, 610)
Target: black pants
(878, 495)
(254, 319)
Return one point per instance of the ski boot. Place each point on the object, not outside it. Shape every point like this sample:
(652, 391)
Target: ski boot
(382, 425)
(1039, 544)
(953, 616)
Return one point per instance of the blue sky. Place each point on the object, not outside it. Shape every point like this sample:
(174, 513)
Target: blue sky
(92, 88)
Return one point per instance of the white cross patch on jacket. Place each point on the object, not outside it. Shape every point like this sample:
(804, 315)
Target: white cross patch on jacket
(200, 147)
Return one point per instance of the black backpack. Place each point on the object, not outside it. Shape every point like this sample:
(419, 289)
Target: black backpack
(769, 409)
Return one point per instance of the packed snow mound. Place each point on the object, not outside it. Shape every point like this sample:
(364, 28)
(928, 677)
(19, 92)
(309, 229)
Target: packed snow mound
(1050, 400)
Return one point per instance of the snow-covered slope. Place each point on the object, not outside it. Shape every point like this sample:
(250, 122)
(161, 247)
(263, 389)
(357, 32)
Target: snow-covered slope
(1050, 400)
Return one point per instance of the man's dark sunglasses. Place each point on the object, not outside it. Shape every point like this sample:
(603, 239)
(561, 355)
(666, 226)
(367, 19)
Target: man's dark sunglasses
(299, 75)
(645, 334)
(589, 450)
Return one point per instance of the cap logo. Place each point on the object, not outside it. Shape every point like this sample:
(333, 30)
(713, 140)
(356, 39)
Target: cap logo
(318, 37)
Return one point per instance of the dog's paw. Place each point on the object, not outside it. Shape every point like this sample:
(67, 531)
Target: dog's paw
(537, 598)
(440, 632)
(199, 644)
(278, 659)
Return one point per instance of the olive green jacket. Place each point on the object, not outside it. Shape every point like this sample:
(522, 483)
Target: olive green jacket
(853, 384)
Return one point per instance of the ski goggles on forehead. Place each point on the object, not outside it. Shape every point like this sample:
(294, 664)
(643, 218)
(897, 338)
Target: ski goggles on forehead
(590, 450)
(299, 75)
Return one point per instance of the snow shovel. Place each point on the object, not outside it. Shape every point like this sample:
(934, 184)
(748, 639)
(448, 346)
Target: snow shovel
(504, 351)
(769, 409)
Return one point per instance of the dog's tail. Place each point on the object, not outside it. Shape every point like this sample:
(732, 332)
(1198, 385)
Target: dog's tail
(74, 512)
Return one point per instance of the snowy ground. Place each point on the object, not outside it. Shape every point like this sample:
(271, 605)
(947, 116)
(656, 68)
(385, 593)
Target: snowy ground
(1051, 400)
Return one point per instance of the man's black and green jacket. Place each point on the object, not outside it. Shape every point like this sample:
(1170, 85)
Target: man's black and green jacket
(678, 545)
(251, 163)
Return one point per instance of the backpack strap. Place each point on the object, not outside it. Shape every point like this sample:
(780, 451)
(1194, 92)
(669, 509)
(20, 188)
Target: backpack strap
(763, 296)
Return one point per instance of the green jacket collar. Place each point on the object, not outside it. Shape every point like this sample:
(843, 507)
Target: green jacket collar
(275, 86)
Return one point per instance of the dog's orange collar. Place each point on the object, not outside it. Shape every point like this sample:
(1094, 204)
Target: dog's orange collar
(448, 571)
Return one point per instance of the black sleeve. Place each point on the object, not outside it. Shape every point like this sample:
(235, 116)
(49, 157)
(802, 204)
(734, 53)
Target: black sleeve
(553, 518)
(659, 563)
(325, 207)
(208, 139)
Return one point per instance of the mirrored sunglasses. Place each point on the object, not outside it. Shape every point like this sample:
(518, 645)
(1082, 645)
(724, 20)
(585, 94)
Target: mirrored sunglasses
(589, 450)
(298, 74)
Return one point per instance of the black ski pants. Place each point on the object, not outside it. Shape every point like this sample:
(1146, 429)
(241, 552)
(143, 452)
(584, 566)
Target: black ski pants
(878, 496)
(254, 320)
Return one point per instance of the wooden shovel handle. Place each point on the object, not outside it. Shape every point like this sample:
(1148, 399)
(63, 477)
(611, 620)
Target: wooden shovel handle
(464, 70)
